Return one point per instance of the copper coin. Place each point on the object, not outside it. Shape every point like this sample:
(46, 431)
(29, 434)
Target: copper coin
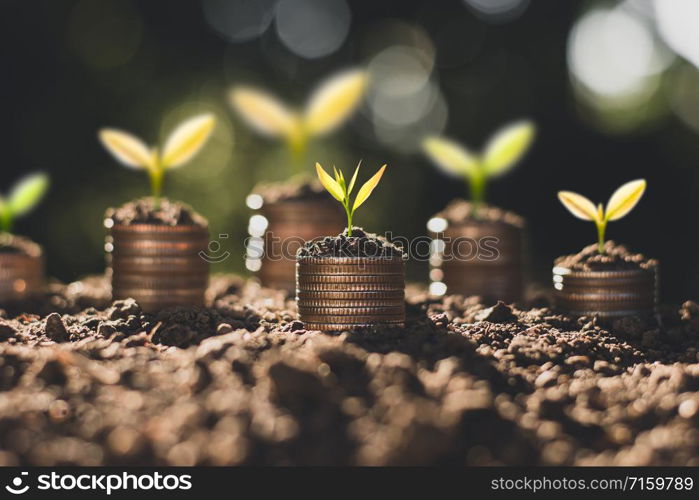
(159, 266)
(369, 279)
(349, 320)
(350, 287)
(354, 295)
(336, 327)
(21, 276)
(606, 293)
(351, 310)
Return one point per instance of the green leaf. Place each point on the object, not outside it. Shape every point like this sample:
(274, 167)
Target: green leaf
(451, 156)
(367, 188)
(330, 184)
(354, 179)
(507, 147)
(27, 193)
(624, 199)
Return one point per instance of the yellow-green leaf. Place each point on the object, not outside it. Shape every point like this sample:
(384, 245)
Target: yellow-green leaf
(27, 193)
(126, 148)
(330, 184)
(334, 101)
(578, 205)
(187, 139)
(507, 147)
(450, 156)
(264, 112)
(354, 178)
(367, 188)
(624, 199)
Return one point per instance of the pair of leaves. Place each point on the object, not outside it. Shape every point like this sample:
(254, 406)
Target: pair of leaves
(24, 196)
(502, 152)
(182, 144)
(341, 191)
(328, 107)
(620, 203)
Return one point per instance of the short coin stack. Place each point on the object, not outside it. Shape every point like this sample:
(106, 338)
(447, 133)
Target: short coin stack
(343, 293)
(157, 265)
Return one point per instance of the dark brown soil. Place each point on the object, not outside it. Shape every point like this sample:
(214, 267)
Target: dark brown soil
(615, 258)
(461, 210)
(167, 213)
(360, 244)
(242, 382)
(297, 189)
(11, 243)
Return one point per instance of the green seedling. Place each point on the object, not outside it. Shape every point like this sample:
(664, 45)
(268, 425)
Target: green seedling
(23, 197)
(341, 191)
(328, 107)
(621, 203)
(182, 144)
(505, 148)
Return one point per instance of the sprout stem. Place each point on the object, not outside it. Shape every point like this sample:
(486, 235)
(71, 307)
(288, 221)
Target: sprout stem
(5, 220)
(349, 218)
(477, 188)
(156, 184)
(601, 227)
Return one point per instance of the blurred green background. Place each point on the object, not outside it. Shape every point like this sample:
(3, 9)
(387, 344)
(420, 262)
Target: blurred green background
(613, 87)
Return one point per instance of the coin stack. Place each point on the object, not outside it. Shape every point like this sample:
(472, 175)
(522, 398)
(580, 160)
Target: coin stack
(467, 268)
(159, 266)
(607, 294)
(291, 223)
(21, 275)
(343, 293)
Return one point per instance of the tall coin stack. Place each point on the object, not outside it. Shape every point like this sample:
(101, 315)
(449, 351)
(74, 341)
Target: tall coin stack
(343, 293)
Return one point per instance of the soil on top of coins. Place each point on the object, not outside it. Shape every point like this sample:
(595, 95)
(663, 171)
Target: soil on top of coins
(146, 211)
(458, 211)
(360, 244)
(614, 258)
(85, 380)
(296, 189)
(13, 244)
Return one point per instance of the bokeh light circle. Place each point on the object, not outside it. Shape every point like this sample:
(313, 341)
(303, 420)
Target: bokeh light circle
(312, 28)
(239, 20)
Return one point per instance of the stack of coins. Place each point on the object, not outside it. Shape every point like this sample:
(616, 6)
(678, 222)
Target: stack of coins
(607, 294)
(480, 257)
(290, 224)
(343, 293)
(158, 266)
(21, 275)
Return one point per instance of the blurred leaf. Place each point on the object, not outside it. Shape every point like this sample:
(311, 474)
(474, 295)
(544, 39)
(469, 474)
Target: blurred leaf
(507, 147)
(27, 193)
(367, 188)
(187, 139)
(126, 148)
(624, 199)
(578, 205)
(334, 101)
(264, 112)
(451, 156)
(330, 184)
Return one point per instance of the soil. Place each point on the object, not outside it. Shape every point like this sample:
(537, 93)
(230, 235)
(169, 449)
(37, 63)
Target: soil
(13, 244)
(242, 382)
(296, 189)
(360, 244)
(167, 213)
(461, 210)
(614, 258)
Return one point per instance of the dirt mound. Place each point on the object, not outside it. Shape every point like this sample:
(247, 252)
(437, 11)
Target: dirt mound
(242, 382)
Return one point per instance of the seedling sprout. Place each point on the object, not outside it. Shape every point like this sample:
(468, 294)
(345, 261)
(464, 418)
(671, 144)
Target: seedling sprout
(621, 203)
(182, 144)
(341, 191)
(330, 104)
(23, 197)
(505, 148)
